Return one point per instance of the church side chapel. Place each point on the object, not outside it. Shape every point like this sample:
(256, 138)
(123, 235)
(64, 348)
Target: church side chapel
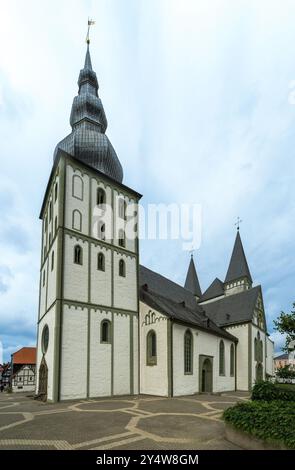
(108, 326)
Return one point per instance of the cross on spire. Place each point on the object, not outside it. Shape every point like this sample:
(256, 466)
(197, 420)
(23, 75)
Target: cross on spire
(192, 250)
(238, 223)
(90, 23)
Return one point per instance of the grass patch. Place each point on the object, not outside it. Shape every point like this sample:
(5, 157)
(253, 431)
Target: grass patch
(271, 421)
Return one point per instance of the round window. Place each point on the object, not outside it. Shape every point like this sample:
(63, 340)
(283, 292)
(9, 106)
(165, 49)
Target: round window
(45, 339)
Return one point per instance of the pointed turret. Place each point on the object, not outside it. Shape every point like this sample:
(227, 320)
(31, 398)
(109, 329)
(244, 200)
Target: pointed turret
(238, 274)
(192, 282)
(87, 141)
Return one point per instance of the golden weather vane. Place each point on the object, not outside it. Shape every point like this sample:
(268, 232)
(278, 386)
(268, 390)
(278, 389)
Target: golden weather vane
(90, 23)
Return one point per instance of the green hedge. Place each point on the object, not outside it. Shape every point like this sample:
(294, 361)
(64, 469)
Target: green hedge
(271, 421)
(268, 391)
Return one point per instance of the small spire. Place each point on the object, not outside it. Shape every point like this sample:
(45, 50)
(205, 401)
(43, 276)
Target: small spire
(238, 266)
(88, 64)
(192, 282)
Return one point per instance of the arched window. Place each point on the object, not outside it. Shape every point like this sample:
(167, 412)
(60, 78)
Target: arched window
(151, 348)
(77, 220)
(122, 268)
(122, 208)
(221, 358)
(255, 350)
(100, 197)
(52, 261)
(122, 238)
(188, 352)
(105, 331)
(100, 262)
(78, 187)
(78, 255)
(101, 231)
(232, 360)
(55, 224)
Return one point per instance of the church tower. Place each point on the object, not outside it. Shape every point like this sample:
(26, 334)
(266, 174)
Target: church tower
(88, 304)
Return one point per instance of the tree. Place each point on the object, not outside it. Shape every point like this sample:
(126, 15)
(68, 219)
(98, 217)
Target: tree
(286, 324)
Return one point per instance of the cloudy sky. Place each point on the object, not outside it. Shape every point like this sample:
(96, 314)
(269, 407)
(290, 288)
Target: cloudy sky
(200, 99)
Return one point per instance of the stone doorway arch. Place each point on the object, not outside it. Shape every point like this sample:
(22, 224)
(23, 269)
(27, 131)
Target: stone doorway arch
(206, 374)
(43, 380)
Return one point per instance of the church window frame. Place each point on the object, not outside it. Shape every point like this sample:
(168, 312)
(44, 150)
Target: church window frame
(77, 220)
(188, 352)
(45, 339)
(122, 238)
(78, 255)
(105, 332)
(221, 358)
(122, 268)
(101, 197)
(100, 262)
(122, 208)
(232, 360)
(101, 231)
(78, 187)
(151, 348)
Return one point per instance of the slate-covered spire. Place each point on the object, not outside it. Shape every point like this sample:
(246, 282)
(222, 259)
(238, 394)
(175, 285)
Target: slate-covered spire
(192, 282)
(87, 141)
(238, 266)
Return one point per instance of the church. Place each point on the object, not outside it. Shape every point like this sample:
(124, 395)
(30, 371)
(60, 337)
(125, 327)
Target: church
(108, 326)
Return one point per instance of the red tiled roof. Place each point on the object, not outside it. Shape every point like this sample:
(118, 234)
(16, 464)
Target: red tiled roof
(24, 356)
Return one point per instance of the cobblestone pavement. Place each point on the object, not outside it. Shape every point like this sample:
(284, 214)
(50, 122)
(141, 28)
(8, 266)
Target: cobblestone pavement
(142, 423)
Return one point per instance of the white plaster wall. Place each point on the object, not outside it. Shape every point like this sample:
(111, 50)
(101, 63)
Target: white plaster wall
(50, 320)
(100, 357)
(241, 332)
(51, 290)
(135, 354)
(204, 344)
(73, 203)
(125, 288)
(270, 356)
(101, 281)
(121, 330)
(153, 379)
(75, 275)
(74, 353)
(42, 308)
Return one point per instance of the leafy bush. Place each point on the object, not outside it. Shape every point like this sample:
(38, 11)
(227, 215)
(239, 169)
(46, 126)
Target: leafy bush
(285, 372)
(271, 421)
(268, 391)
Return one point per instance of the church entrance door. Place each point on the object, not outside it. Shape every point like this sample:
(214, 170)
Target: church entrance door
(206, 374)
(43, 379)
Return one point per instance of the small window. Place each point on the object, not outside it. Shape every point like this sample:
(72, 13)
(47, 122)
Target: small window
(122, 238)
(78, 254)
(55, 191)
(44, 278)
(151, 348)
(55, 224)
(52, 261)
(100, 262)
(78, 187)
(188, 352)
(221, 358)
(77, 220)
(101, 231)
(122, 268)
(100, 197)
(105, 331)
(50, 211)
(45, 339)
(232, 360)
(122, 208)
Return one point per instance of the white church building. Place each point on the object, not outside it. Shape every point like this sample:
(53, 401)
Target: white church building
(108, 326)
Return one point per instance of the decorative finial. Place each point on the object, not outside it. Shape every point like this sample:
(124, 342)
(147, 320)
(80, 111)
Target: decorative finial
(192, 252)
(90, 23)
(238, 223)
